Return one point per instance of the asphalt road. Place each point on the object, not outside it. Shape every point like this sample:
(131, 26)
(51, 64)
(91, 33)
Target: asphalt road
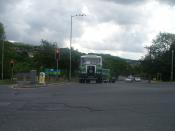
(121, 106)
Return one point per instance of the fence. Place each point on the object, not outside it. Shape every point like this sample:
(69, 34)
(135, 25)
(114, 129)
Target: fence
(26, 79)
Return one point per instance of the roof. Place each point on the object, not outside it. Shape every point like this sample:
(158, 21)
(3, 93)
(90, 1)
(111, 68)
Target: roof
(90, 56)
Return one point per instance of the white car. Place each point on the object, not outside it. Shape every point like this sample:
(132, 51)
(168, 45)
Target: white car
(137, 79)
(129, 79)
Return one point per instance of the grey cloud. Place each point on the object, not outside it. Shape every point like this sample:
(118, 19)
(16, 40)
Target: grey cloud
(126, 42)
(133, 42)
(121, 14)
(50, 20)
(7, 4)
(169, 2)
(126, 2)
(44, 20)
(127, 17)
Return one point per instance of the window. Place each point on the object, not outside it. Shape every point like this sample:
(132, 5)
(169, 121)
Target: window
(93, 61)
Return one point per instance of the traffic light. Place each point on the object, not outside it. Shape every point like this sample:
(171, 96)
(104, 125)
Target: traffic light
(57, 53)
(12, 62)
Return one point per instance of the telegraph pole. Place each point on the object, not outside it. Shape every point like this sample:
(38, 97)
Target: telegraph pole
(2, 69)
(57, 57)
(150, 76)
(172, 65)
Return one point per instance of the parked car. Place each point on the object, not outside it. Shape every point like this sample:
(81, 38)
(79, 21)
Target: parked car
(112, 80)
(137, 79)
(130, 78)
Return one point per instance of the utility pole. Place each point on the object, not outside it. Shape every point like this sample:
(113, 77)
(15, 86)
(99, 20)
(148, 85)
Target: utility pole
(57, 57)
(149, 81)
(2, 69)
(172, 65)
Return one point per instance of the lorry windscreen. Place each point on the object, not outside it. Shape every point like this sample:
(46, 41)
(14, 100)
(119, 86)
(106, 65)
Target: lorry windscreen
(88, 61)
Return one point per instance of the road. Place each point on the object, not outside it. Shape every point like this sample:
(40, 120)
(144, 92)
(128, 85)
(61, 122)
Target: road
(137, 106)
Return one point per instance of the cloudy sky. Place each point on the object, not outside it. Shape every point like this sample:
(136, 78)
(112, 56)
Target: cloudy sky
(118, 27)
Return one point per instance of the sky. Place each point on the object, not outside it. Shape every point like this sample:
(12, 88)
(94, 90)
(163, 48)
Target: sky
(118, 27)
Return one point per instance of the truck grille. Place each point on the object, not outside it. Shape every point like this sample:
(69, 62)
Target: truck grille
(91, 70)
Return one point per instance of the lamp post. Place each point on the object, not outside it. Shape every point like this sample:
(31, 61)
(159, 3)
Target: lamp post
(70, 65)
(172, 62)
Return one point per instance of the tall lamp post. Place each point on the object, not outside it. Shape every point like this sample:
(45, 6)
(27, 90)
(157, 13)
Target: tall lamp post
(172, 62)
(70, 65)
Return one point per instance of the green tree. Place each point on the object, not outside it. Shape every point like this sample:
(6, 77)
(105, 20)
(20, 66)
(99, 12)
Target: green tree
(2, 32)
(19, 53)
(162, 44)
(158, 58)
(45, 55)
(2, 39)
(117, 65)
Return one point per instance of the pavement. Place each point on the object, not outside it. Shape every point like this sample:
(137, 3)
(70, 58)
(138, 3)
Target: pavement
(120, 106)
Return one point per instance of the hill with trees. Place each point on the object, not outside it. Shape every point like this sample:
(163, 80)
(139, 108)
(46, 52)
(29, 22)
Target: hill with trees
(40, 57)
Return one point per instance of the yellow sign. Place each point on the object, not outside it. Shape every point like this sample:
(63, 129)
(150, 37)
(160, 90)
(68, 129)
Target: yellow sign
(42, 78)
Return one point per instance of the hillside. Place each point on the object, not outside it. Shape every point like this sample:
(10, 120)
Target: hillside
(31, 57)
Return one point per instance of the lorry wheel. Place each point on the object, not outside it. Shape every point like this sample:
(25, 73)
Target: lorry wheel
(87, 81)
(83, 80)
(98, 81)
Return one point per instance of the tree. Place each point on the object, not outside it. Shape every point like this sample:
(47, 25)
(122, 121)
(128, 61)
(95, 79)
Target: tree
(45, 55)
(158, 58)
(2, 32)
(162, 44)
(17, 52)
(116, 65)
(2, 39)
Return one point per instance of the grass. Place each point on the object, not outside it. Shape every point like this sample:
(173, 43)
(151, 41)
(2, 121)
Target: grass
(6, 82)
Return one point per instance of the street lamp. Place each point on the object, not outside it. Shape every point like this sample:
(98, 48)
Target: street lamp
(172, 62)
(70, 66)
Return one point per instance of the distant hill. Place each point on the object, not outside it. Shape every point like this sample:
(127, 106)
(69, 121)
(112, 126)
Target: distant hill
(28, 57)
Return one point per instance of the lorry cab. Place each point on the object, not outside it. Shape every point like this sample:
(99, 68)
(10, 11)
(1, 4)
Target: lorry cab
(90, 68)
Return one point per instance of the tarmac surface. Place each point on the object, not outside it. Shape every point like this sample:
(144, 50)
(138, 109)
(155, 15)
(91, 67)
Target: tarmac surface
(120, 106)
